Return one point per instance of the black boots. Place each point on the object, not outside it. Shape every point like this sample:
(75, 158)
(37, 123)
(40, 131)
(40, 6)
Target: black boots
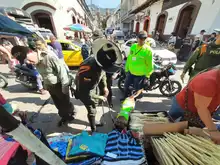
(92, 123)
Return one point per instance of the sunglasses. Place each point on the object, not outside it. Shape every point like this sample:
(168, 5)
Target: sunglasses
(142, 38)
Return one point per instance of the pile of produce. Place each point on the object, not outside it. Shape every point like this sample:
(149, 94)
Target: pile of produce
(137, 120)
(178, 149)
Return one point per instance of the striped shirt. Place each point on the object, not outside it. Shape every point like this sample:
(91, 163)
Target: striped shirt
(123, 146)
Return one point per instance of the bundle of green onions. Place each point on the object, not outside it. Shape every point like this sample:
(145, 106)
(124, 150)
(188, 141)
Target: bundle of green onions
(178, 149)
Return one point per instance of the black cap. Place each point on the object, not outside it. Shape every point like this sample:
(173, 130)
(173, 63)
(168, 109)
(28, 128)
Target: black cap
(142, 35)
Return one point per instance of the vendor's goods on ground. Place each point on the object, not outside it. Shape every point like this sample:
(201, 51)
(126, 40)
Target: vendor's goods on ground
(113, 148)
(137, 120)
(178, 149)
(122, 148)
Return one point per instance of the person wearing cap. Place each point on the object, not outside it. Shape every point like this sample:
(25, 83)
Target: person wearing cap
(139, 64)
(212, 38)
(106, 58)
(204, 57)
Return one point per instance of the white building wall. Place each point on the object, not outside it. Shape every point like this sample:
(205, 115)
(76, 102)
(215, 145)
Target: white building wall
(155, 11)
(208, 17)
(216, 23)
(61, 17)
(171, 19)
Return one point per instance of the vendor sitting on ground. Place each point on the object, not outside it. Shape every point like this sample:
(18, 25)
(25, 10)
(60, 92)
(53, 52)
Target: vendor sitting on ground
(198, 102)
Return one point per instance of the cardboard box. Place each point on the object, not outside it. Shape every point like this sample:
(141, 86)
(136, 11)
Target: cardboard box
(160, 129)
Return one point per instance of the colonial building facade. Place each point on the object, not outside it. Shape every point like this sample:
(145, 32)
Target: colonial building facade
(54, 14)
(185, 17)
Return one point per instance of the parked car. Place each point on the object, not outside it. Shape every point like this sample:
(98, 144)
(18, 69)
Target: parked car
(71, 52)
(118, 35)
(159, 51)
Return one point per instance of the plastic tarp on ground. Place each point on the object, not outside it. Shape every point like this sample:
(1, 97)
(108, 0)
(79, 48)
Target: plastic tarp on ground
(10, 26)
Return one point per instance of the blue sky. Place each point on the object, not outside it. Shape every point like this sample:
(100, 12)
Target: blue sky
(105, 3)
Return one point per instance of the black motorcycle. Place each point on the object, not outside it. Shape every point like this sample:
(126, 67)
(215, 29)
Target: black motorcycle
(162, 80)
(25, 76)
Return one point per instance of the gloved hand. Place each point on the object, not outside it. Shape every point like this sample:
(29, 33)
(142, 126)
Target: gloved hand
(102, 98)
(65, 89)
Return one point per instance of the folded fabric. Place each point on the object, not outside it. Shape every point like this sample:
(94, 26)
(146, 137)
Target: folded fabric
(8, 108)
(79, 158)
(7, 150)
(91, 161)
(2, 100)
(60, 143)
(85, 144)
(126, 162)
(122, 146)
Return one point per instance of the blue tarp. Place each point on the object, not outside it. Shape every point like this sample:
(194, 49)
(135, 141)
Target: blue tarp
(10, 26)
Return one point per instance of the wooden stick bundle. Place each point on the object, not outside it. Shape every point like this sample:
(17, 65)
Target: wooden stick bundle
(178, 149)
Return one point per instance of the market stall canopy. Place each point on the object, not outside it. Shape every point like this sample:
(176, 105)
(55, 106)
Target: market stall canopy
(78, 28)
(10, 26)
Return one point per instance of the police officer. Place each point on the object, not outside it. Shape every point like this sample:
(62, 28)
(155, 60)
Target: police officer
(106, 58)
(204, 57)
(139, 64)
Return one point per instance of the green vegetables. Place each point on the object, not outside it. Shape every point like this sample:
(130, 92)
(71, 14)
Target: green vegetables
(178, 149)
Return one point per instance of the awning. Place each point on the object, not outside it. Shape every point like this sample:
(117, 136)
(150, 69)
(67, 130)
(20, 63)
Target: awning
(143, 6)
(10, 26)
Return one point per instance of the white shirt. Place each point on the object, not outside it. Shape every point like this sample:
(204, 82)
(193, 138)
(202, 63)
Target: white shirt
(172, 40)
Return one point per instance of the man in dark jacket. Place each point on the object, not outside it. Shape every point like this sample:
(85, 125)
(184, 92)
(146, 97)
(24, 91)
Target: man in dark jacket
(106, 59)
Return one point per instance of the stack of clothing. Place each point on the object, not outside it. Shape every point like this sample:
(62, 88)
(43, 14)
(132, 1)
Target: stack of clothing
(80, 149)
(123, 149)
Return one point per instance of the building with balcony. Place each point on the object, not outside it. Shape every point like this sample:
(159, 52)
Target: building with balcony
(54, 14)
(146, 15)
(114, 20)
(127, 17)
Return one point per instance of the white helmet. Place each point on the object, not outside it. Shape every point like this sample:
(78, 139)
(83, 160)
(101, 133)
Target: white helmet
(107, 55)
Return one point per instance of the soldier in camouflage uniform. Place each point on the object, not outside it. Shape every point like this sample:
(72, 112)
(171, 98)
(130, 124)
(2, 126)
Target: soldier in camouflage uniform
(204, 57)
(106, 58)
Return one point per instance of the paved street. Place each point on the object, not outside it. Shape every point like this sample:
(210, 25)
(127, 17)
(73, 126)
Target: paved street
(29, 101)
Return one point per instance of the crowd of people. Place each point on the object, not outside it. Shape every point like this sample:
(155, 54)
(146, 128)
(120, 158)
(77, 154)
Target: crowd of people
(183, 47)
(102, 58)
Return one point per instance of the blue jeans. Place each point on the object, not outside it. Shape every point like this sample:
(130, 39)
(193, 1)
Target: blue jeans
(137, 82)
(38, 78)
(176, 112)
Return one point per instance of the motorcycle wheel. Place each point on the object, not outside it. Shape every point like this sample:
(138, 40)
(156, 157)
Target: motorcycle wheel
(170, 89)
(3, 81)
(121, 83)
